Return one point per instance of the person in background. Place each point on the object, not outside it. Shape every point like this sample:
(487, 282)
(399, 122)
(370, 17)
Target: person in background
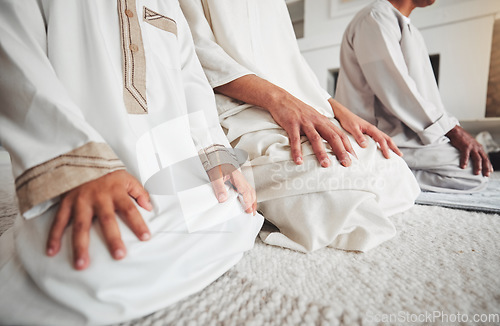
(386, 78)
(319, 174)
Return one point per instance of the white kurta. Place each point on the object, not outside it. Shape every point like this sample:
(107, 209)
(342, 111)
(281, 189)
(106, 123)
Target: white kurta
(90, 87)
(387, 79)
(312, 207)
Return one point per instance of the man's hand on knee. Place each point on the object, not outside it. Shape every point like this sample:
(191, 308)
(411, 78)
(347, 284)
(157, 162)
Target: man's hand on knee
(101, 198)
(359, 127)
(470, 149)
(294, 116)
(298, 118)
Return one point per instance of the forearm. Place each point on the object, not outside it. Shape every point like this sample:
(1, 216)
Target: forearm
(257, 91)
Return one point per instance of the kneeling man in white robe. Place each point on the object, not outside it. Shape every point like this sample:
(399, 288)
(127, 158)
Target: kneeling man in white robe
(105, 111)
(318, 185)
(386, 78)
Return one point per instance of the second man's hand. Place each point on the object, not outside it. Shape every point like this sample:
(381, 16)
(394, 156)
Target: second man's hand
(294, 116)
(298, 118)
(359, 127)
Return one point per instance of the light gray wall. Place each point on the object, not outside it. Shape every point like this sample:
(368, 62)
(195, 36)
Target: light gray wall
(459, 30)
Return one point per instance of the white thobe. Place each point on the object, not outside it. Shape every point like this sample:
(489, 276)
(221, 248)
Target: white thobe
(87, 88)
(312, 207)
(387, 79)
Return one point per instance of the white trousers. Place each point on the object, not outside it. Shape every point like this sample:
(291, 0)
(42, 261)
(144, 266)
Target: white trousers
(437, 169)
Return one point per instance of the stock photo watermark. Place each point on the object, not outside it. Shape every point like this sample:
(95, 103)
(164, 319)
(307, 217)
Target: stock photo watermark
(431, 317)
(287, 176)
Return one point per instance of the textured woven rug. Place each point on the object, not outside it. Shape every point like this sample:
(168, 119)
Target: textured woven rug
(484, 201)
(441, 268)
(8, 200)
(443, 262)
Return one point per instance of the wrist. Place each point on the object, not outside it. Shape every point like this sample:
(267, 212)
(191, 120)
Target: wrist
(453, 132)
(338, 109)
(277, 98)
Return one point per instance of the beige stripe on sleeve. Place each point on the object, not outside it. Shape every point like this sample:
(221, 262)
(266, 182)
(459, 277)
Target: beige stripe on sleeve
(65, 172)
(215, 155)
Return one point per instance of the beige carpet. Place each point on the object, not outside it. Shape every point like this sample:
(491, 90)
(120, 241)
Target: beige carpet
(443, 261)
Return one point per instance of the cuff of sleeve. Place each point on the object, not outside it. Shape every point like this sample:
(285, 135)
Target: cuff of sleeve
(438, 129)
(216, 155)
(326, 95)
(223, 80)
(46, 181)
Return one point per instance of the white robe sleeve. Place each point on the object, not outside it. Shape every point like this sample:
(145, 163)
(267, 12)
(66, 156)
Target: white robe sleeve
(52, 148)
(377, 48)
(220, 68)
(211, 142)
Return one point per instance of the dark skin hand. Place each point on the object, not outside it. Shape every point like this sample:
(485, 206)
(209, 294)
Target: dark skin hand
(470, 149)
(102, 199)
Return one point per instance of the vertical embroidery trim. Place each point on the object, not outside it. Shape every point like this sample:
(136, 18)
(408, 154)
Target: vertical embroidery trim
(158, 20)
(133, 58)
